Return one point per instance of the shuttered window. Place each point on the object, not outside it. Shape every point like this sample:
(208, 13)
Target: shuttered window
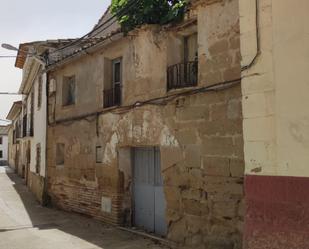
(40, 85)
(38, 159)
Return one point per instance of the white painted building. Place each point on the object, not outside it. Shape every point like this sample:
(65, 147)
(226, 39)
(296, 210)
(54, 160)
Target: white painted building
(4, 145)
(34, 109)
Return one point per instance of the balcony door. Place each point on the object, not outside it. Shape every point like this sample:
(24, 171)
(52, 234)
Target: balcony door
(117, 79)
(190, 48)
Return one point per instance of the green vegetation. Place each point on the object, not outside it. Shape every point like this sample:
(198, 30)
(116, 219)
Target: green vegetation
(134, 13)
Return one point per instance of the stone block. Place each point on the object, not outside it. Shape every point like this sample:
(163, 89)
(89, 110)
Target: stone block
(216, 166)
(187, 136)
(237, 167)
(196, 179)
(218, 146)
(219, 47)
(172, 193)
(178, 231)
(218, 111)
(223, 185)
(194, 194)
(196, 224)
(170, 156)
(220, 127)
(193, 156)
(194, 207)
(172, 215)
(192, 113)
(239, 146)
(225, 209)
(234, 109)
(194, 240)
(211, 77)
(176, 176)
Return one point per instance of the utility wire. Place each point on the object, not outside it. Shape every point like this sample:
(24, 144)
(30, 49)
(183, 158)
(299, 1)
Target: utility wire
(8, 93)
(8, 56)
(122, 12)
(258, 38)
(160, 101)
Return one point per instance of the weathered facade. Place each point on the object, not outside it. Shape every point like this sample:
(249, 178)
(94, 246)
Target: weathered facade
(15, 134)
(28, 142)
(100, 144)
(4, 130)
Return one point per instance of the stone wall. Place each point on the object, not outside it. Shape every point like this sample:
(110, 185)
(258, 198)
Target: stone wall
(36, 185)
(202, 165)
(199, 135)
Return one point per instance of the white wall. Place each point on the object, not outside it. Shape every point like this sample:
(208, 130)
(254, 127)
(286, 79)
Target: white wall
(4, 148)
(39, 127)
(275, 90)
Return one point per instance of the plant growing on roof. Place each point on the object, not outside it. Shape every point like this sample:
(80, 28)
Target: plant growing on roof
(133, 13)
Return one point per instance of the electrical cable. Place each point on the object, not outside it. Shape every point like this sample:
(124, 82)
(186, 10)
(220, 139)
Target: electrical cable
(164, 100)
(8, 56)
(8, 93)
(258, 38)
(122, 12)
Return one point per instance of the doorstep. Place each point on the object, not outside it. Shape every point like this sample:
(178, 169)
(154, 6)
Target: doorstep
(154, 237)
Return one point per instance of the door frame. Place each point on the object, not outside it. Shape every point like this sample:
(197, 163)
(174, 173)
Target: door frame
(133, 182)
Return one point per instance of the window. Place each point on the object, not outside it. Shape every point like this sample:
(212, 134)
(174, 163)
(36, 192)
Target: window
(185, 73)
(112, 82)
(68, 91)
(99, 154)
(190, 48)
(40, 85)
(1, 140)
(60, 154)
(1, 154)
(38, 159)
(31, 121)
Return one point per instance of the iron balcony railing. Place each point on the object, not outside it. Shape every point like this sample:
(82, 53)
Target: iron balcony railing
(182, 75)
(112, 97)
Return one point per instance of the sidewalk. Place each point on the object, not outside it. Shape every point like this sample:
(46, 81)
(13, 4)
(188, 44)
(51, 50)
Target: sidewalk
(24, 224)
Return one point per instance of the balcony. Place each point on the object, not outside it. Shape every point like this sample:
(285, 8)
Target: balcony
(182, 75)
(112, 97)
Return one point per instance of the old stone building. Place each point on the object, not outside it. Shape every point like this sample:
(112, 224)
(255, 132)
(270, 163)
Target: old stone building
(145, 129)
(15, 134)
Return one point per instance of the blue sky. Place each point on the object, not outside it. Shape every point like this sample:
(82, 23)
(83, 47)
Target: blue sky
(32, 20)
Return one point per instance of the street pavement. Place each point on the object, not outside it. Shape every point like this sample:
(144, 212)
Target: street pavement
(24, 224)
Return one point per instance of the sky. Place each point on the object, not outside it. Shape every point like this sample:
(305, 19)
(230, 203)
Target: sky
(33, 20)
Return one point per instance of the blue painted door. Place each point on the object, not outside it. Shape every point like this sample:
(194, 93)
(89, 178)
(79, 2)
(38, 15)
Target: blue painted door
(149, 199)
